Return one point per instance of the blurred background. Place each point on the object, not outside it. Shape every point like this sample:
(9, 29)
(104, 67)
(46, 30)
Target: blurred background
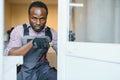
(16, 13)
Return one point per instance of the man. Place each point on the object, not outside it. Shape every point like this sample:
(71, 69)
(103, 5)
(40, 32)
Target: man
(32, 41)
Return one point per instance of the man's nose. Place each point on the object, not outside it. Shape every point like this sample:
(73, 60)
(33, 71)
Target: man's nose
(37, 21)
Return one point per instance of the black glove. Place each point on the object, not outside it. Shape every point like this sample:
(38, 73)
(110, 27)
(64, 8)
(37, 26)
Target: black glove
(41, 43)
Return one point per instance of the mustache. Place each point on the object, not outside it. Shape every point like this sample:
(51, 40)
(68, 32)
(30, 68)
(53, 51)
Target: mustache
(37, 26)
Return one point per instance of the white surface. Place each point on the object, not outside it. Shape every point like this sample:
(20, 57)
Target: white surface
(91, 61)
(86, 69)
(84, 61)
(10, 69)
(62, 36)
(1, 37)
(99, 51)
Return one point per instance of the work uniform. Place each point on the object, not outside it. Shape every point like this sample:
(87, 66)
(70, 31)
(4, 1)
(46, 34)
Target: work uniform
(34, 67)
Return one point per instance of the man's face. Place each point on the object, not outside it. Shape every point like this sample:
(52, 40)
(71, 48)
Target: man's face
(37, 18)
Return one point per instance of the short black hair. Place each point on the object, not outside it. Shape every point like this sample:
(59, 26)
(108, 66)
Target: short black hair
(38, 4)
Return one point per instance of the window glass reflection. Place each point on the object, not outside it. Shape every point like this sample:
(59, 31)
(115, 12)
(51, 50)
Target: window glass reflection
(95, 21)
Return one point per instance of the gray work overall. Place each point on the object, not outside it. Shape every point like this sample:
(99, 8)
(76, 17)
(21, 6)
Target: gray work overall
(34, 68)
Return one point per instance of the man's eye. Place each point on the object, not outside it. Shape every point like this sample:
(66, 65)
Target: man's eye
(34, 19)
(42, 19)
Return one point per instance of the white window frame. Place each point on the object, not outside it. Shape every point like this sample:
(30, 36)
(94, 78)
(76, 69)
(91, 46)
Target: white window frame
(1, 37)
(101, 52)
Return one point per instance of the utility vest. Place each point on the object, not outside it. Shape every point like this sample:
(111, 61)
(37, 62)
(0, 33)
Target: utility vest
(34, 67)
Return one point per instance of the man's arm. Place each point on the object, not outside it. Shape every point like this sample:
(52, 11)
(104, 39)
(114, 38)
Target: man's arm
(38, 43)
(20, 51)
(54, 40)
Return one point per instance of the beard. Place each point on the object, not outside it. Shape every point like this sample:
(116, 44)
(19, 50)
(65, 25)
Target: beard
(37, 28)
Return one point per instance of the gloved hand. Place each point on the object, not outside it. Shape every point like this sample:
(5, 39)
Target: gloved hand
(41, 43)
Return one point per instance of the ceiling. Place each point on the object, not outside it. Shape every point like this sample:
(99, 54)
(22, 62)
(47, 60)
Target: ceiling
(51, 2)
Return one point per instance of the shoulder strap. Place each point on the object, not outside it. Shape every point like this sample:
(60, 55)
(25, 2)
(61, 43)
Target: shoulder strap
(48, 33)
(26, 30)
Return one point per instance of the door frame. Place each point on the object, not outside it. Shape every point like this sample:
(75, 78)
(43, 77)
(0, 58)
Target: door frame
(1, 37)
(105, 52)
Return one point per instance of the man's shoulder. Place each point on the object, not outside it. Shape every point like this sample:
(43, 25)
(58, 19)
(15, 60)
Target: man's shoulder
(18, 28)
(52, 30)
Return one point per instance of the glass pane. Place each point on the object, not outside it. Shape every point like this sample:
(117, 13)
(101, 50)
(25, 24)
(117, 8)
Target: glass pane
(95, 21)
